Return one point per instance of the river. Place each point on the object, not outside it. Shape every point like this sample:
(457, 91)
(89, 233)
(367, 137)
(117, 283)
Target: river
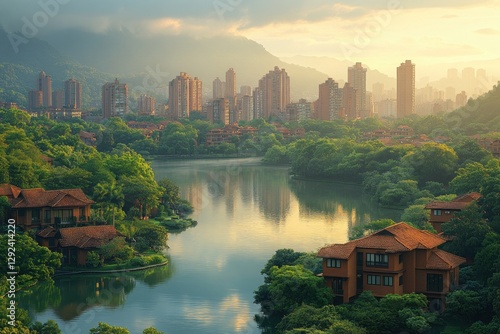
(245, 212)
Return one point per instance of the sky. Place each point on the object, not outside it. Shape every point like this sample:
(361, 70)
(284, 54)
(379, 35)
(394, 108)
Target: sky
(379, 33)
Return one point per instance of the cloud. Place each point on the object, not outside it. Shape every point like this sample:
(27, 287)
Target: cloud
(487, 31)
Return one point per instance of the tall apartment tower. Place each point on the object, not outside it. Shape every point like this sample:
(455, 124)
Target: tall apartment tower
(146, 105)
(72, 94)
(246, 90)
(219, 113)
(35, 100)
(329, 100)
(114, 99)
(45, 86)
(58, 99)
(185, 95)
(275, 89)
(349, 102)
(405, 89)
(356, 76)
(218, 89)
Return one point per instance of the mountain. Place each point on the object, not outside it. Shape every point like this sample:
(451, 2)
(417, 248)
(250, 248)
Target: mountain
(207, 58)
(337, 70)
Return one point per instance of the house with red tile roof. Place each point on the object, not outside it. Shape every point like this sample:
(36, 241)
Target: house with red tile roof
(75, 242)
(37, 207)
(442, 212)
(399, 259)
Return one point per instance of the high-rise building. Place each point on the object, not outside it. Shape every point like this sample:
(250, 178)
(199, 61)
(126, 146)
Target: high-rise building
(58, 99)
(230, 83)
(378, 91)
(72, 94)
(185, 95)
(35, 100)
(218, 89)
(356, 77)
(246, 90)
(275, 89)
(246, 108)
(146, 105)
(258, 103)
(461, 100)
(300, 111)
(406, 89)
(45, 86)
(114, 99)
(329, 100)
(219, 113)
(349, 102)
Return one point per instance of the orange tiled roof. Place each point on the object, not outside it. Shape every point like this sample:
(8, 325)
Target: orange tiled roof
(439, 259)
(396, 238)
(87, 236)
(9, 190)
(47, 232)
(39, 197)
(458, 203)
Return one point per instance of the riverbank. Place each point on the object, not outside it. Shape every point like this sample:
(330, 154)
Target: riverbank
(94, 271)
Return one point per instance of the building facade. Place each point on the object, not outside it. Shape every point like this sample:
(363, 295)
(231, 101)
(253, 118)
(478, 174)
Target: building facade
(329, 100)
(275, 90)
(184, 96)
(356, 77)
(146, 105)
(72, 94)
(114, 99)
(44, 85)
(219, 113)
(399, 259)
(405, 89)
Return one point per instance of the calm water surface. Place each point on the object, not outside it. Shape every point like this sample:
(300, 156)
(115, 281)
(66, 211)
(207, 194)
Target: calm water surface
(245, 212)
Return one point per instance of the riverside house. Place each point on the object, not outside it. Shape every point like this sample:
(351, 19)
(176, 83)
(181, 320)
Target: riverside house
(442, 212)
(399, 259)
(37, 208)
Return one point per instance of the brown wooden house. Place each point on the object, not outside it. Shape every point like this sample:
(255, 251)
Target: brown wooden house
(37, 208)
(75, 242)
(398, 259)
(442, 212)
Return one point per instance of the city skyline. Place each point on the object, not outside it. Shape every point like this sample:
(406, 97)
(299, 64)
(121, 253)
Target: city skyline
(348, 30)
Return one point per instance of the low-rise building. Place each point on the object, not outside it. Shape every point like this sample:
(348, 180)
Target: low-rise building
(442, 212)
(399, 259)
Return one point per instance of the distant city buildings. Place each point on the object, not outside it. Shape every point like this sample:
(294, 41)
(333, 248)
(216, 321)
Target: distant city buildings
(219, 112)
(58, 99)
(114, 99)
(356, 77)
(405, 89)
(218, 89)
(185, 95)
(45, 86)
(72, 94)
(349, 101)
(274, 89)
(146, 105)
(329, 103)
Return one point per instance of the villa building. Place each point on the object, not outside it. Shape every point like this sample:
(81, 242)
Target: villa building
(399, 259)
(442, 212)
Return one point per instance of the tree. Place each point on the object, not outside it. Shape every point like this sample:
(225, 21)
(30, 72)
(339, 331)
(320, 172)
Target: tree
(50, 327)
(104, 328)
(468, 230)
(371, 227)
(152, 330)
(152, 237)
(141, 192)
(111, 196)
(284, 256)
(36, 263)
(306, 316)
(416, 215)
(116, 250)
(288, 287)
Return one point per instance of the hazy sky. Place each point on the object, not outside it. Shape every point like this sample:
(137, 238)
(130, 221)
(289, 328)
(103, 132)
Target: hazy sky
(379, 33)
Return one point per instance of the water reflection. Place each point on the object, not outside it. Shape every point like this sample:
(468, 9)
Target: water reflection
(71, 296)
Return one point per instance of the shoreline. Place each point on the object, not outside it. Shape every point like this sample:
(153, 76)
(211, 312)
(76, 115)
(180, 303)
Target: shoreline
(66, 273)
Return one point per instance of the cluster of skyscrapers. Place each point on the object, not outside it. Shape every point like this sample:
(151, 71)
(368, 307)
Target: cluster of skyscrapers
(270, 99)
(44, 98)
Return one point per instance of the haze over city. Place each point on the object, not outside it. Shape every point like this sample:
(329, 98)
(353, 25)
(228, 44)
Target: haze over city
(378, 33)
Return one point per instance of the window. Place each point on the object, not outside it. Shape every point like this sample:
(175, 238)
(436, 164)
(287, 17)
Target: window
(447, 212)
(400, 258)
(333, 263)
(373, 279)
(377, 260)
(388, 280)
(401, 280)
(437, 212)
(337, 286)
(435, 282)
